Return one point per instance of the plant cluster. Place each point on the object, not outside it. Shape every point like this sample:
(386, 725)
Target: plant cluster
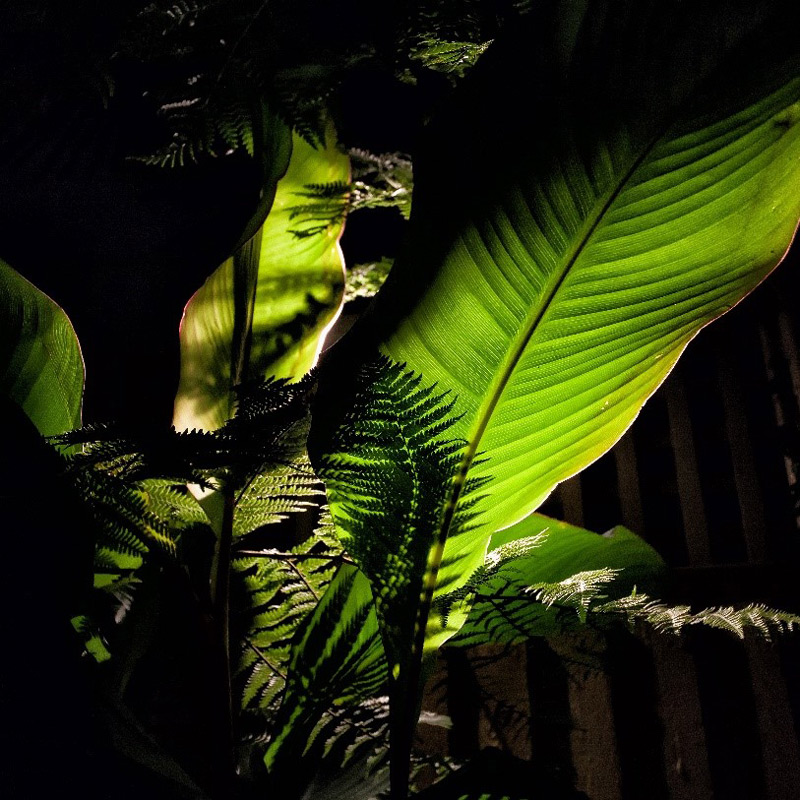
(544, 291)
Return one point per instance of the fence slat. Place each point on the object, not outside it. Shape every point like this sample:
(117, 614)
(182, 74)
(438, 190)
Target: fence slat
(780, 753)
(685, 756)
(593, 739)
(751, 506)
(686, 473)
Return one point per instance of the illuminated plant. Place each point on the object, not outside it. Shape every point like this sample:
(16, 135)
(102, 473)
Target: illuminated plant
(607, 179)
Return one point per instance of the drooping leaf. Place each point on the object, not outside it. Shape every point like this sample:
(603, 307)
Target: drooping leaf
(41, 366)
(503, 612)
(301, 267)
(264, 312)
(553, 287)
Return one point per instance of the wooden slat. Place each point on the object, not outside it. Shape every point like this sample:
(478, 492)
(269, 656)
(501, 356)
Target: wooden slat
(772, 362)
(593, 739)
(780, 752)
(751, 505)
(685, 757)
(688, 479)
(572, 500)
(630, 495)
(504, 702)
(790, 352)
(550, 721)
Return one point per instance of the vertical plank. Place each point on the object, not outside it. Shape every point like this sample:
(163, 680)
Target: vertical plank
(572, 500)
(772, 365)
(688, 478)
(593, 739)
(685, 757)
(462, 704)
(504, 702)
(748, 492)
(729, 715)
(790, 352)
(550, 721)
(634, 696)
(630, 494)
(780, 752)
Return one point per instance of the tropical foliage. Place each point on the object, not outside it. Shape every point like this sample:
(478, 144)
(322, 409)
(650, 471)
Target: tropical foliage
(546, 287)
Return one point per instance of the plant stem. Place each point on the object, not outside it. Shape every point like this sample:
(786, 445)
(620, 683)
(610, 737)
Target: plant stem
(221, 607)
(403, 710)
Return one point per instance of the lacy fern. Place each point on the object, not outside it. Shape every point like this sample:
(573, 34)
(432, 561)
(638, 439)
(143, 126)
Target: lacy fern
(586, 594)
(274, 591)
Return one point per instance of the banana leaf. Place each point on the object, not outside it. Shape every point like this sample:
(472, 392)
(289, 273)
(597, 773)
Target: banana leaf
(41, 366)
(265, 311)
(634, 174)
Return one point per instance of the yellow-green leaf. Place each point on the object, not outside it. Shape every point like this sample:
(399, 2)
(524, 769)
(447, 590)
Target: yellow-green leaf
(41, 366)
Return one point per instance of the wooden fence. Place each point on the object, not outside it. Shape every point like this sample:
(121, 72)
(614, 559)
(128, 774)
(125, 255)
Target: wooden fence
(709, 475)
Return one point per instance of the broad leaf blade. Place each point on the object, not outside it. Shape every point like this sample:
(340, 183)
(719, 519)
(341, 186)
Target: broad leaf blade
(41, 366)
(656, 188)
(264, 311)
(503, 613)
(301, 266)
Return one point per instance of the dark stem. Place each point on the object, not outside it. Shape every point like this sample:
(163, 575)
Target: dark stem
(403, 712)
(221, 610)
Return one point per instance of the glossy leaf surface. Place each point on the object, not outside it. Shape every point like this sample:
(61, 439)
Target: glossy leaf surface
(265, 310)
(41, 366)
(637, 167)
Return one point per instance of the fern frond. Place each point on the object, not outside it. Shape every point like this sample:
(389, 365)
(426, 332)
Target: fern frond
(268, 430)
(454, 59)
(276, 591)
(328, 204)
(271, 496)
(387, 475)
(336, 663)
(585, 593)
(578, 591)
(756, 618)
(495, 561)
(384, 180)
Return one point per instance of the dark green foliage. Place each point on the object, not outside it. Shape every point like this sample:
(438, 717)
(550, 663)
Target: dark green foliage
(336, 682)
(385, 180)
(268, 429)
(273, 593)
(364, 280)
(388, 475)
(218, 59)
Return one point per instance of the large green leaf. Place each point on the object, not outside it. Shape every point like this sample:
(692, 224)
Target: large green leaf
(265, 311)
(502, 611)
(635, 173)
(41, 366)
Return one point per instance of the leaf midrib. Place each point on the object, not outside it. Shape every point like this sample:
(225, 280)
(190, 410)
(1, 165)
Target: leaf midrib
(532, 323)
